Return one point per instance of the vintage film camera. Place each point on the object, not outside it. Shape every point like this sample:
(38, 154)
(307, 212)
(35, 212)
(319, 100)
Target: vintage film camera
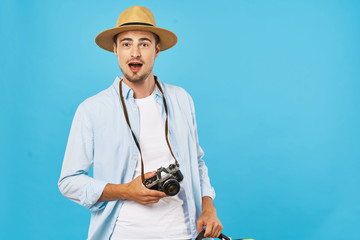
(166, 180)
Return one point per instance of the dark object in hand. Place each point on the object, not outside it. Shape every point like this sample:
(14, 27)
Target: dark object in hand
(166, 180)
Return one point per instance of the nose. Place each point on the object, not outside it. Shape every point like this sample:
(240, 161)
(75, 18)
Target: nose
(135, 51)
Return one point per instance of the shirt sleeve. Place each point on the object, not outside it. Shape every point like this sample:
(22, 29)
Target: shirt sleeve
(74, 182)
(206, 188)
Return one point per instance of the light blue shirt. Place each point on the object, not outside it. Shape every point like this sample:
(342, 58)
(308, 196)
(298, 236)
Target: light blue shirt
(100, 138)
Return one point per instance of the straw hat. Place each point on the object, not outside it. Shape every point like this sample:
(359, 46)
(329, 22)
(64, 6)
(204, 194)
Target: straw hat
(135, 18)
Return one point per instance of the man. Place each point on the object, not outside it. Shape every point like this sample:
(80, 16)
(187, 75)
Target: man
(138, 125)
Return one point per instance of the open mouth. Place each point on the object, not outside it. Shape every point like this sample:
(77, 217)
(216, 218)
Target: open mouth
(135, 66)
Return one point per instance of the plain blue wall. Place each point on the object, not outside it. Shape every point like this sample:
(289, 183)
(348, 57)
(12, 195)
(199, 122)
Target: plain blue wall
(276, 90)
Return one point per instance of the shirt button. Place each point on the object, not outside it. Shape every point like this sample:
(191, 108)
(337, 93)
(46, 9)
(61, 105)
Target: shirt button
(134, 158)
(134, 109)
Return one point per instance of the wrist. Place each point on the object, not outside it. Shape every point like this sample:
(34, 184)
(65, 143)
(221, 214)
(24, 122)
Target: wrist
(208, 205)
(209, 210)
(124, 190)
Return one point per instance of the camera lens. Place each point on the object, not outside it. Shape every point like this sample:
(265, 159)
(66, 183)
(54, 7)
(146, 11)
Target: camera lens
(171, 187)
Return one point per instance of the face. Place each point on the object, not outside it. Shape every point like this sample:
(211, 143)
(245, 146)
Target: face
(136, 53)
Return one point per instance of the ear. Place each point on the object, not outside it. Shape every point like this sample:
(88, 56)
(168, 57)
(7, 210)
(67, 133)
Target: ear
(157, 50)
(114, 46)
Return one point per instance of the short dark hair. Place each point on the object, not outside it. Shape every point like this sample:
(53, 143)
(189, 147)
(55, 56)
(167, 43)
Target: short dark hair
(157, 39)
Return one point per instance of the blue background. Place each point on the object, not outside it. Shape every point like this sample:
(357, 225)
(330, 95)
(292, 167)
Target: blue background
(276, 90)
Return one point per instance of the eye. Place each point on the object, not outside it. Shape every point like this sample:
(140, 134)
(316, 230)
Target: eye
(126, 44)
(144, 44)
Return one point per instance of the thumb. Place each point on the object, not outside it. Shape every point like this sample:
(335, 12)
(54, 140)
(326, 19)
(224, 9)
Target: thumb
(200, 226)
(149, 174)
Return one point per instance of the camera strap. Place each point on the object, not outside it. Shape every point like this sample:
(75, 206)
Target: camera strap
(135, 139)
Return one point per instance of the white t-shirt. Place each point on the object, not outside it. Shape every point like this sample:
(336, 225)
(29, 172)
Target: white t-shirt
(165, 219)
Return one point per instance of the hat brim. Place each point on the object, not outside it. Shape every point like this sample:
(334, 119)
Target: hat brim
(105, 39)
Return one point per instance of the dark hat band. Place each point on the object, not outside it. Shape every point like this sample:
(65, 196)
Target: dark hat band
(136, 23)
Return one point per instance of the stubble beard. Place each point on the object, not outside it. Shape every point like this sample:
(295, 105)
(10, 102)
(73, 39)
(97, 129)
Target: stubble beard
(136, 77)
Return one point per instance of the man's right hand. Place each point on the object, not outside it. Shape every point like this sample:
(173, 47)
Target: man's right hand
(137, 192)
(134, 190)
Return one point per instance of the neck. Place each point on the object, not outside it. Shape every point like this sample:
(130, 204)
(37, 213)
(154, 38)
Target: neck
(143, 88)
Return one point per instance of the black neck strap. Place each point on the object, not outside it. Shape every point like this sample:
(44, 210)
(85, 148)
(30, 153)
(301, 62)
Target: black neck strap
(135, 139)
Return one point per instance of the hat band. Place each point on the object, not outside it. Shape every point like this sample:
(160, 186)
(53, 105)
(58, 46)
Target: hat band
(136, 23)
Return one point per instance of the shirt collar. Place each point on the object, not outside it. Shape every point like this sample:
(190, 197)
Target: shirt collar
(128, 92)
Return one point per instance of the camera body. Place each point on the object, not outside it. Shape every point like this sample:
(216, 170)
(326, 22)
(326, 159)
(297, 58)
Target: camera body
(166, 180)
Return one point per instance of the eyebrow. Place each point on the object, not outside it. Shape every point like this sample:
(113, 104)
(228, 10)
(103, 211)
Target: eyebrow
(145, 39)
(126, 39)
(130, 39)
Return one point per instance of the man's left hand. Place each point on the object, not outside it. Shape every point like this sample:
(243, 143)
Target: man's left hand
(209, 219)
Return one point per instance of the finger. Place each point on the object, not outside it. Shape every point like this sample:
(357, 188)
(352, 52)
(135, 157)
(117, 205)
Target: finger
(155, 193)
(149, 200)
(149, 174)
(217, 232)
(200, 226)
(220, 229)
(152, 199)
(209, 230)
